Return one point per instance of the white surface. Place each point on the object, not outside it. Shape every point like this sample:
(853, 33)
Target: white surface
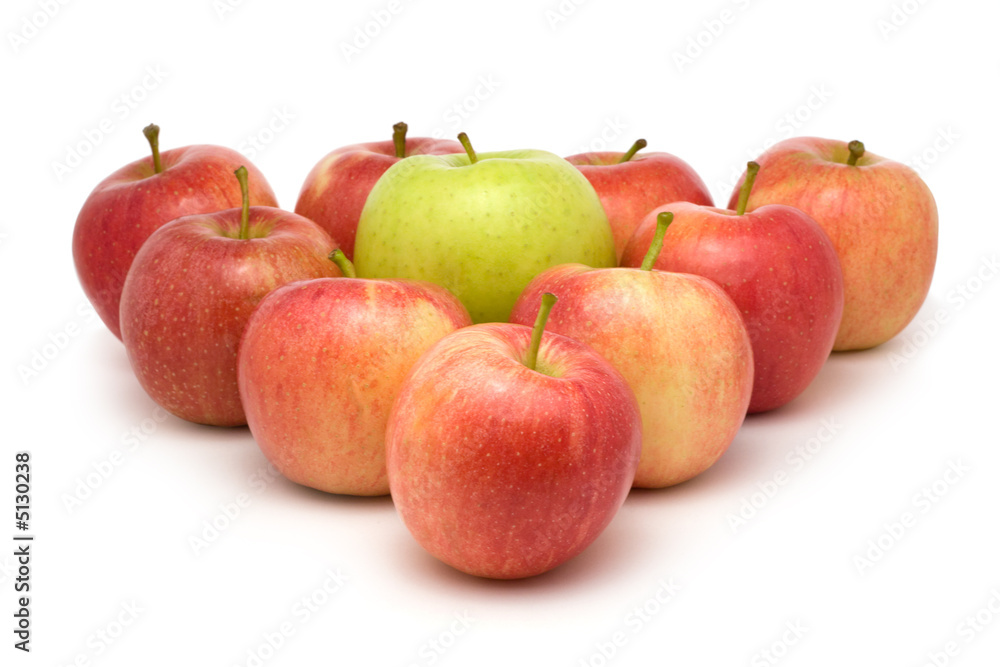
(608, 68)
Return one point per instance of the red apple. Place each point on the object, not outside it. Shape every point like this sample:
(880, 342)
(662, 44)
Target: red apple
(132, 203)
(678, 340)
(882, 220)
(630, 185)
(191, 290)
(780, 269)
(335, 191)
(320, 364)
(509, 452)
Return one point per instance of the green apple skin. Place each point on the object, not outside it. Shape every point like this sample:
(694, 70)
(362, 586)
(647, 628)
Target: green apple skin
(482, 230)
(881, 217)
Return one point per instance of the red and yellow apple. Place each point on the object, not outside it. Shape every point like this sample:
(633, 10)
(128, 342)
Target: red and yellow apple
(780, 269)
(320, 364)
(677, 339)
(880, 216)
(630, 185)
(132, 203)
(508, 451)
(191, 290)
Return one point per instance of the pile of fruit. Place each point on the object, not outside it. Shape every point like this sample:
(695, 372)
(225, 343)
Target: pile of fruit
(506, 342)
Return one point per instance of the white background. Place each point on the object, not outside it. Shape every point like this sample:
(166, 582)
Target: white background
(884, 424)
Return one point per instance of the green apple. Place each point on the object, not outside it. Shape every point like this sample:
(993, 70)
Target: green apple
(481, 225)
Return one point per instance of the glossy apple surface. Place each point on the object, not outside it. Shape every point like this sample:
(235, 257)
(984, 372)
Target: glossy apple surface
(781, 271)
(678, 341)
(190, 292)
(482, 229)
(503, 471)
(335, 190)
(631, 189)
(132, 203)
(881, 218)
(320, 364)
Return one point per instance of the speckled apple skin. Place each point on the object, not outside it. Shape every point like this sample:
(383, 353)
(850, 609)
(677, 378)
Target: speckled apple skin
(481, 230)
(190, 292)
(335, 190)
(630, 190)
(506, 472)
(881, 218)
(779, 268)
(132, 203)
(320, 364)
(680, 343)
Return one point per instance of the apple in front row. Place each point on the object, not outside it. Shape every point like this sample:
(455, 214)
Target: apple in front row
(880, 216)
(680, 343)
(780, 269)
(509, 451)
(320, 364)
(191, 290)
(631, 185)
(132, 203)
(335, 190)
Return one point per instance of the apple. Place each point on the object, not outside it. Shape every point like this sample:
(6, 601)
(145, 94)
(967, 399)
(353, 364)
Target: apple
(336, 189)
(631, 185)
(780, 269)
(321, 362)
(190, 292)
(881, 217)
(481, 225)
(510, 451)
(132, 203)
(677, 339)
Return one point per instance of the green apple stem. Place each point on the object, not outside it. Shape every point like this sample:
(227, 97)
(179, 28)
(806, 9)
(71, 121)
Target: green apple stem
(741, 204)
(399, 138)
(663, 221)
(548, 300)
(241, 176)
(152, 132)
(345, 265)
(857, 150)
(463, 138)
(636, 147)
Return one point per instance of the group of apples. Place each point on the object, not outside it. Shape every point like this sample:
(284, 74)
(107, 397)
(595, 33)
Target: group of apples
(506, 342)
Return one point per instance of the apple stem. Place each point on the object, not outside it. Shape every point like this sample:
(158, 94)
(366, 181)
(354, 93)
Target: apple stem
(345, 265)
(241, 176)
(399, 139)
(636, 147)
(663, 221)
(548, 300)
(463, 138)
(857, 150)
(152, 132)
(741, 204)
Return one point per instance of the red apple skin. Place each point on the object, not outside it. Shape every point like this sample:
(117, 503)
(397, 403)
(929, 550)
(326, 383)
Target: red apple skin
(881, 217)
(630, 190)
(132, 203)
(779, 268)
(320, 364)
(505, 472)
(335, 191)
(190, 292)
(679, 342)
